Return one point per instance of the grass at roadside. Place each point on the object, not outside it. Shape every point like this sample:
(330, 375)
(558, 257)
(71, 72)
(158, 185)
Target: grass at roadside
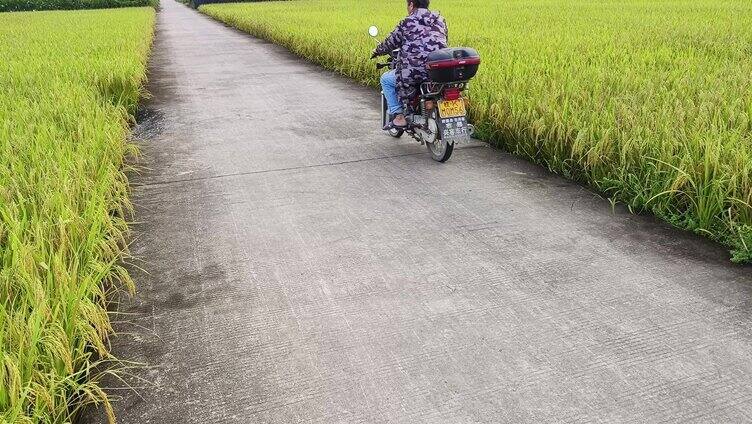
(69, 83)
(648, 101)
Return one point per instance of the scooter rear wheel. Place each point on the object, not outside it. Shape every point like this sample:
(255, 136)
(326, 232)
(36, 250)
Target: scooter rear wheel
(440, 150)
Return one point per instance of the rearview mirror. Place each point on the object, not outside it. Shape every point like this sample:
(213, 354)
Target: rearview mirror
(373, 31)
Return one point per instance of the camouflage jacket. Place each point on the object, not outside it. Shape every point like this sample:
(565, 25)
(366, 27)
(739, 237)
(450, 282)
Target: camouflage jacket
(416, 36)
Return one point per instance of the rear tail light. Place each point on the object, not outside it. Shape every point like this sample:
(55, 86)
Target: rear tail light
(451, 94)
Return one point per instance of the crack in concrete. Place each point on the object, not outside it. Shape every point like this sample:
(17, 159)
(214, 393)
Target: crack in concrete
(291, 168)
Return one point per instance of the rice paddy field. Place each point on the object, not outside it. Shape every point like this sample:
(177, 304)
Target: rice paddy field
(647, 101)
(21, 5)
(69, 84)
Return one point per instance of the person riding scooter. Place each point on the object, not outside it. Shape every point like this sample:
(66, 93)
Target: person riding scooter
(419, 34)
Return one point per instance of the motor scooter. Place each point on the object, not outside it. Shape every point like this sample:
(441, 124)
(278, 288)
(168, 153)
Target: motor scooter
(436, 116)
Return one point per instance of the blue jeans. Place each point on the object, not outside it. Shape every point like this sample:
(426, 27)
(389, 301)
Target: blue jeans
(389, 87)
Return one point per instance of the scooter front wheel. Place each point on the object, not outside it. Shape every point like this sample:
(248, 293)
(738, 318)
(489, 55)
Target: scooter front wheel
(396, 132)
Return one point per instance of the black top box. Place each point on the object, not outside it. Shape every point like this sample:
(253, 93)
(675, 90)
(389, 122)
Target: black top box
(452, 64)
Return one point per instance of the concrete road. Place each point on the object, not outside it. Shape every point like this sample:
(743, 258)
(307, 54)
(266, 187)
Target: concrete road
(296, 265)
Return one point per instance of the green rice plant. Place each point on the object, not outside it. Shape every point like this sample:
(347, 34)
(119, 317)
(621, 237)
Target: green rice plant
(648, 101)
(69, 83)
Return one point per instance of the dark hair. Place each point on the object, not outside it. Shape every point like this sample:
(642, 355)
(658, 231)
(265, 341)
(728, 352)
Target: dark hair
(419, 4)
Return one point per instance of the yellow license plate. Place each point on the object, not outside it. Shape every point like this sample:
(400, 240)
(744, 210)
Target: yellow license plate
(452, 108)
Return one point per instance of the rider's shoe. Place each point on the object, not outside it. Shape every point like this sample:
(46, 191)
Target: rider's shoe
(392, 125)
